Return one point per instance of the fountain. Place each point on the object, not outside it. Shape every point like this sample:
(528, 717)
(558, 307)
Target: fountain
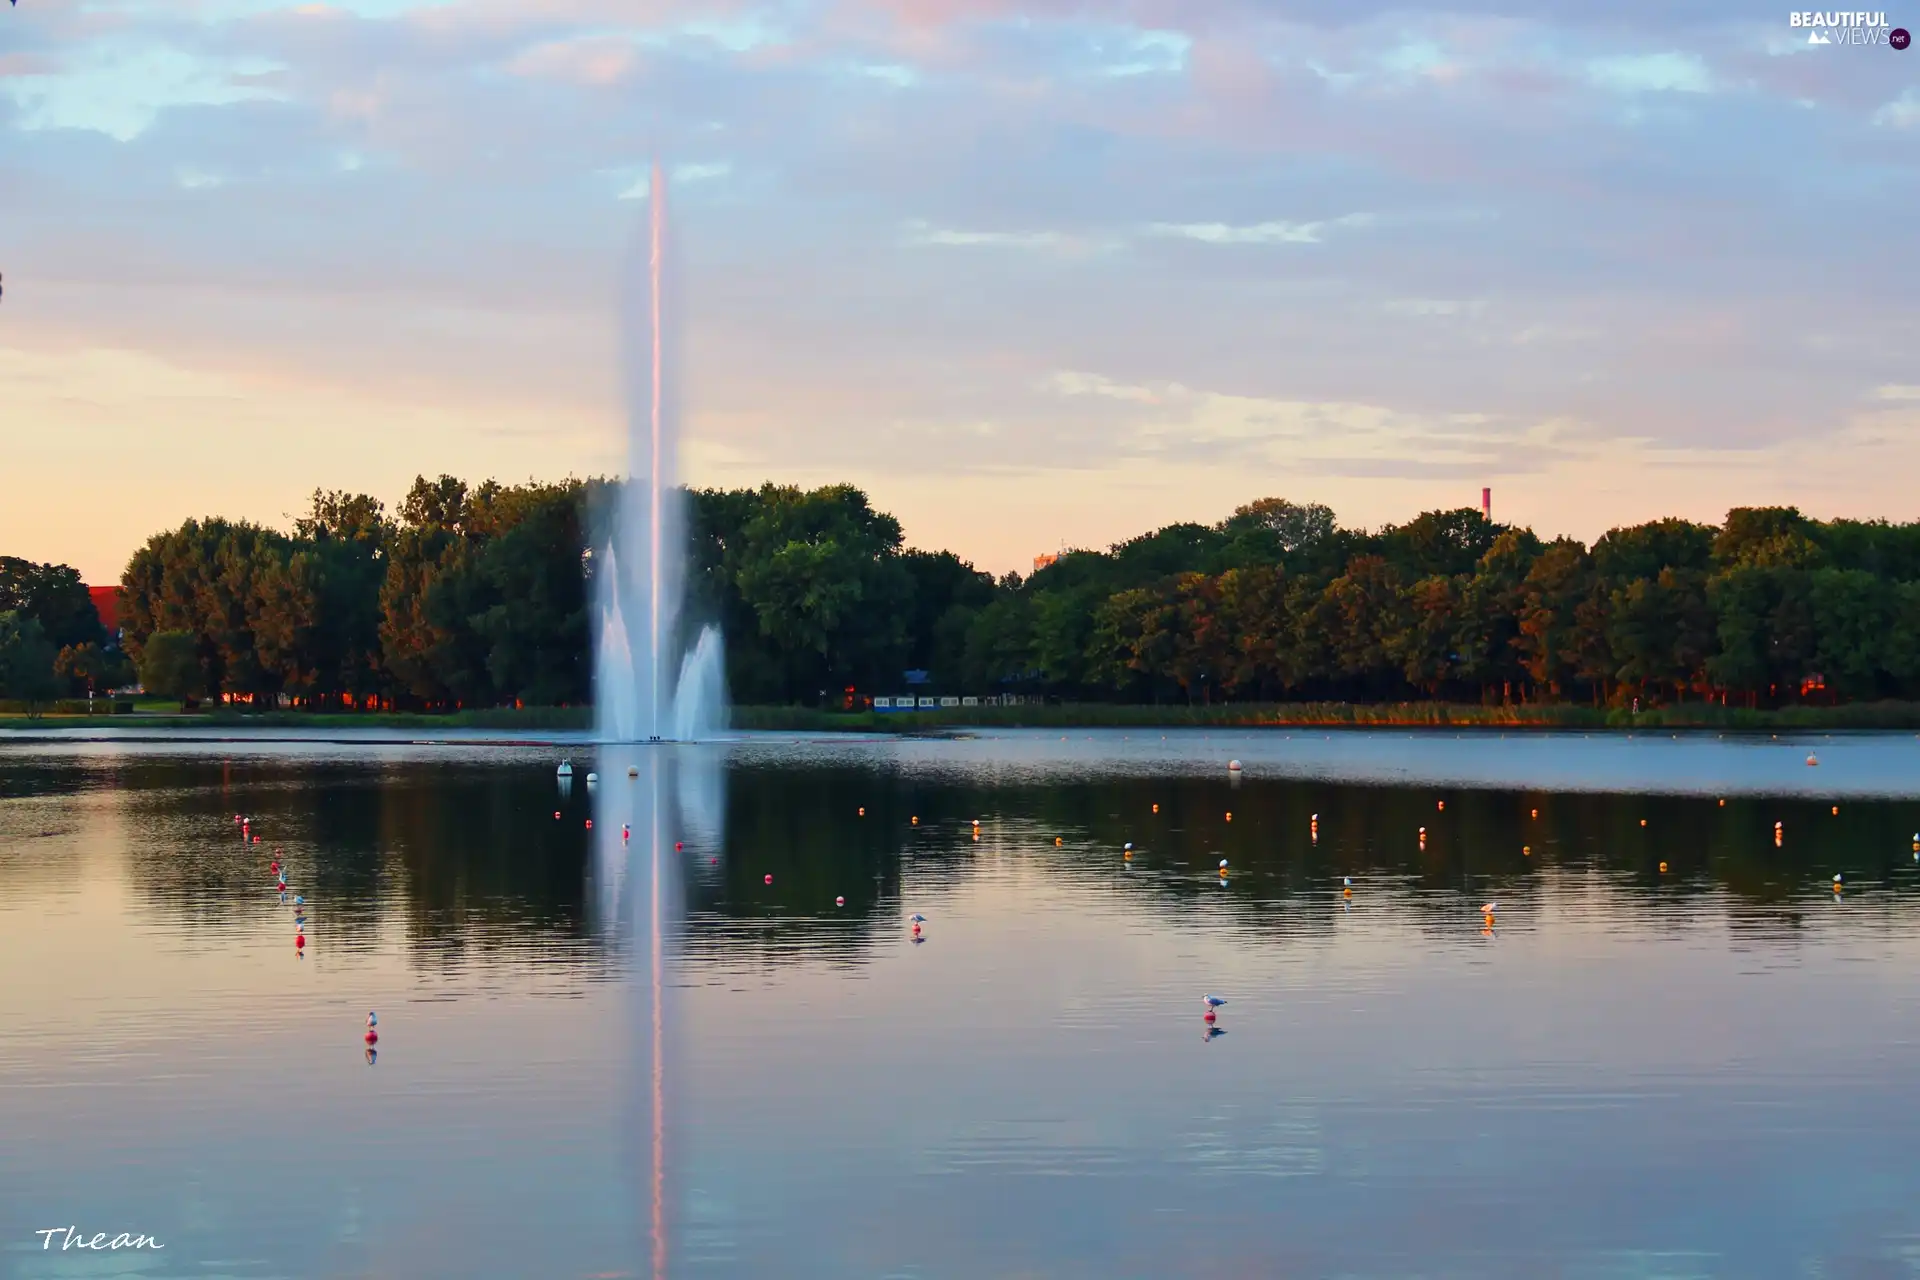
(639, 577)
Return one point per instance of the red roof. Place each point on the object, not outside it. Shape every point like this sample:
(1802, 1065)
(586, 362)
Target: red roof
(106, 603)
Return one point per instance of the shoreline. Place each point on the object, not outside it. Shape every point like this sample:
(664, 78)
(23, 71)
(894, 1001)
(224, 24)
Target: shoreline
(570, 721)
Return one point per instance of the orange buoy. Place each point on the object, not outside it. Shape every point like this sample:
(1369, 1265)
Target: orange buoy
(1536, 813)
(1156, 808)
(1443, 806)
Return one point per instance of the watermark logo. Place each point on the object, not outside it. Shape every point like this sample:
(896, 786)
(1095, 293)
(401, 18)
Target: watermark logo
(1852, 27)
(74, 1238)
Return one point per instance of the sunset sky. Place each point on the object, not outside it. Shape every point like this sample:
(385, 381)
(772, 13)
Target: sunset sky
(1033, 274)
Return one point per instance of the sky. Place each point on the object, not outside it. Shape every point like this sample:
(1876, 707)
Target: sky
(1033, 273)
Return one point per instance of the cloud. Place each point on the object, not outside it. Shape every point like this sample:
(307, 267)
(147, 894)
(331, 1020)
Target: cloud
(1261, 232)
(1901, 113)
(1651, 73)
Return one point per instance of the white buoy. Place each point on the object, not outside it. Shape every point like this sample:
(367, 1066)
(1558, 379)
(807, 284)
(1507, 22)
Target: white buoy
(565, 770)
(592, 778)
(1233, 766)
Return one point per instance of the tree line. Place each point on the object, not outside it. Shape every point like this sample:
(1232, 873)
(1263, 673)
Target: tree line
(479, 595)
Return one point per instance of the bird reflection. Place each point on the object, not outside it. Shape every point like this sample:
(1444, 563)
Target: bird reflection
(373, 1055)
(1214, 1033)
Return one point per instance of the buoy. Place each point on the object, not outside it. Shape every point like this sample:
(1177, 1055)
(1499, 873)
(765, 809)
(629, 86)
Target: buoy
(676, 846)
(1526, 851)
(1156, 808)
(1233, 766)
(1207, 1016)
(592, 778)
(238, 818)
(1723, 802)
(1663, 868)
(915, 819)
(299, 941)
(256, 839)
(839, 902)
(1443, 806)
(589, 824)
(1057, 842)
(565, 770)
(769, 879)
(556, 815)
(1643, 822)
(1836, 811)
(1813, 760)
(626, 832)
(863, 811)
(373, 1037)
(1536, 813)
(633, 771)
(1128, 855)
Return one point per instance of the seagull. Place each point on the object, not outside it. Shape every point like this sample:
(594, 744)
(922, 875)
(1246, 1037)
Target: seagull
(372, 1021)
(1489, 908)
(917, 918)
(1213, 1002)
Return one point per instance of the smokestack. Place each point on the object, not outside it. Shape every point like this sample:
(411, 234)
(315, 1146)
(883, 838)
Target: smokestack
(1486, 504)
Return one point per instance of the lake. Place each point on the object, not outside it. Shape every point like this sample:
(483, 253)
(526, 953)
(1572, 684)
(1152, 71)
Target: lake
(700, 1038)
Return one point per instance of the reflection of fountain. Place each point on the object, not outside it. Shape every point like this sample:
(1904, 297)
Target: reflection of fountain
(639, 579)
(652, 795)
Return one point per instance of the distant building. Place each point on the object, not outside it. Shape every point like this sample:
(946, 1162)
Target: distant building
(106, 603)
(1486, 504)
(1042, 561)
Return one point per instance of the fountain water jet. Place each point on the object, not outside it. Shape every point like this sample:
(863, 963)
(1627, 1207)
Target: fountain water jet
(639, 577)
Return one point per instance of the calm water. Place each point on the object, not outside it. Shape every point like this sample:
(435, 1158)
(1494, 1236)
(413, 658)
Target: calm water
(608, 1057)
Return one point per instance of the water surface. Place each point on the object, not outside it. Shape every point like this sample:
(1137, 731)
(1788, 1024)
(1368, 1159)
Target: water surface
(1700, 1070)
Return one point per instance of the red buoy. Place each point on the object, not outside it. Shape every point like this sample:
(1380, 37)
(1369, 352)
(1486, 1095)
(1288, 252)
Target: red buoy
(589, 824)
(256, 839)
(769, 879)
(556, 815)
(373, 1037)
(1209, 1015)
(299, 941)
(677, 846)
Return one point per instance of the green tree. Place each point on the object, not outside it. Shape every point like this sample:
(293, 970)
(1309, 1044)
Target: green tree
(26, 659)
(170, 666)
(94, 667)
(55, 597)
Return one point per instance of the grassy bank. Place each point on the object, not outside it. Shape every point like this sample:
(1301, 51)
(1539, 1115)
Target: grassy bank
(1864, 715)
